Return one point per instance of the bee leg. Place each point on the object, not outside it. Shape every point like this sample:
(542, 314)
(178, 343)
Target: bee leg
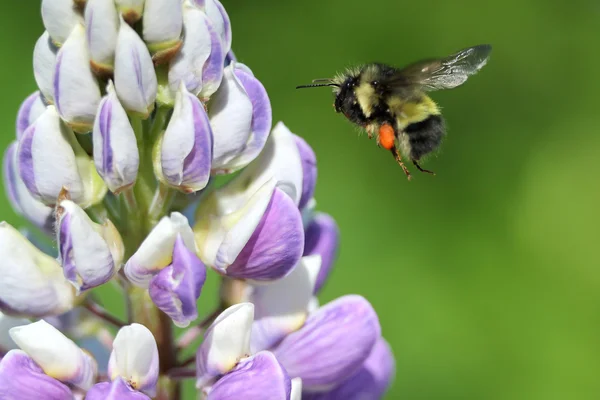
(370, 129)
(400, 162)
(421, 169)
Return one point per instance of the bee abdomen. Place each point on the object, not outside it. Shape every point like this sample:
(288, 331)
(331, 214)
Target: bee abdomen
(425, 136)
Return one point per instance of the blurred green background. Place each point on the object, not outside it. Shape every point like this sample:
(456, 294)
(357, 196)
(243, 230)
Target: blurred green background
(486, 277)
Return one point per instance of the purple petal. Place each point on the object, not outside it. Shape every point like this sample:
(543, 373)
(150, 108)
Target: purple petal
(275, 246)
(332, 345)
(30, 110)
(370, 382)
(25, 161)
(21, 378)
(10, 176)
(322, 237)
(260, 377)
(230, 57)
(212, 72)
(176, 288)
(115, 390)
(309, 170)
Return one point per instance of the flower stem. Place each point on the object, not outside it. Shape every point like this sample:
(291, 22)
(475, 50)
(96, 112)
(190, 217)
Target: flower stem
(182, 373)
(161, 202)
(100, 312)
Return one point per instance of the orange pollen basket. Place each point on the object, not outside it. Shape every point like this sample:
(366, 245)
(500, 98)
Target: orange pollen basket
(386, 136)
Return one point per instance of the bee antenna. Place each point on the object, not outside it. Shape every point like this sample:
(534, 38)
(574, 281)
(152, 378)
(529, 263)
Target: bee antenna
(317, 85)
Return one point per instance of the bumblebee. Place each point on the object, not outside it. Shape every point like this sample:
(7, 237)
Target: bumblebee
(391, 104)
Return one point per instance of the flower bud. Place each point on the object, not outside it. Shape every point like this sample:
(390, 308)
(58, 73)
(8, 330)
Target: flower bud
(44, 64)
(135, 358)
(76, 91)
(50, 159)
(102, 28)
(90, 253)
(135, 79)
(118, 389)
(176, 288)
(116, 154)
(322, 238)
(32, 282)
(59, 17)
(30, 110)
(257, 377)
(220, 20)
(56, 354)
(156, 251)
(226, 341)
(130, 9)
(281, 307)
(19, 197)
(240, 116)
(186, 147)
(163, 22)
(324, 340)
(249, 234)
(21, 378)
(199, 64)
(371, 381)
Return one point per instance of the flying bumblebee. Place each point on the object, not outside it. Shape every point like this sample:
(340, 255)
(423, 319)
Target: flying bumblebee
(392, 103)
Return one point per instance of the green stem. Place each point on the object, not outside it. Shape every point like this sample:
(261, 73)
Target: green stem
(163, 197)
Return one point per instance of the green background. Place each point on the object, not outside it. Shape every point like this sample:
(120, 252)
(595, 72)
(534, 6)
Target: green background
(485, 277)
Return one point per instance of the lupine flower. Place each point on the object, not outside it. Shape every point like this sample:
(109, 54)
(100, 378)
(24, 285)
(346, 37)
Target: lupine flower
(371, 381)
(141, 105)
(156, 252)
(32, 282)
(176, 288)
(186, 148)
(135, 358)
(226, 341)
(116, 154)
(58, 356)
(49, 141)
(90, 253)
(21, 200)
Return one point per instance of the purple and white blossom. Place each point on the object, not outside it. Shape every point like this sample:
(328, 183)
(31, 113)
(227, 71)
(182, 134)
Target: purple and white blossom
(141, 106)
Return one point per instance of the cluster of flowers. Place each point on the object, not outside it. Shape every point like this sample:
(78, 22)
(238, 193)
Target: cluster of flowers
(141, 107)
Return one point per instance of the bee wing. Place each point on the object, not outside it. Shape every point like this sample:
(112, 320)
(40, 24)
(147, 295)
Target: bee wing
(444, 73)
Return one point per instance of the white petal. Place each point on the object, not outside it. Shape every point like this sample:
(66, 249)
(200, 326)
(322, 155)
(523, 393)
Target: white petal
(296, 389)
(281, 307)
(135, 358)
(230, 115)
(32, 282)
(57, 355)
(226, 341)
(279, 159)
(6, 323)
(187, 65)
(156, 251)
(163, 21)
(44, 61)
(227, 219)
(76, 91)
(102, 28)
(220, 20)
(60, 17)
(135, 79)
